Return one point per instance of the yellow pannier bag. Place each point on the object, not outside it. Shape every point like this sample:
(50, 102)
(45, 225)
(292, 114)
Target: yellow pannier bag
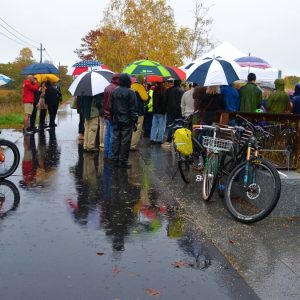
(183, 141)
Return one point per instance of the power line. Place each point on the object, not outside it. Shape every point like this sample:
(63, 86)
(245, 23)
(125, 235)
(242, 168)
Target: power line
(24, 42)
(12, 39)
(24, 36)
(51, 59)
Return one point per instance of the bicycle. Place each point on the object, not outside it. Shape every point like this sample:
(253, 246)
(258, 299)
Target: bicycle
(9, 158)
(253, 186)
(186, 164)
(9, 198)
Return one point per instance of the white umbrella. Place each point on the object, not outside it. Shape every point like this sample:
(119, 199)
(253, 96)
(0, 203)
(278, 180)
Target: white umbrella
(4, 79)
(90, 83)
(214, 71)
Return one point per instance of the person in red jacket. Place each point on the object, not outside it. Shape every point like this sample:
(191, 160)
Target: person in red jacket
(30, 86)
(108, 138)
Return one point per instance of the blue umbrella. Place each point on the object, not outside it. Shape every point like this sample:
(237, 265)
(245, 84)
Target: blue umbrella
(39, 68)
(4, 79)
(214, 71)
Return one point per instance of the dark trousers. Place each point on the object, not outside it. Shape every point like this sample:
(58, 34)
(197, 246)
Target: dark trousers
(81, 124)
(121, 141)
(52, 109)
(33, 116)
(170, 120)
(147, 123)
(43, 113)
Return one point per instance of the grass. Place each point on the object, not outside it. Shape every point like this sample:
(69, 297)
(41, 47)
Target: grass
(11, 120)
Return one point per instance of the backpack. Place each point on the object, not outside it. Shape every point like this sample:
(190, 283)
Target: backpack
(183, 141)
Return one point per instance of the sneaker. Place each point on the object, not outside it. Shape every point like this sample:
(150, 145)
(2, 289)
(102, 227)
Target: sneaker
(27, 132)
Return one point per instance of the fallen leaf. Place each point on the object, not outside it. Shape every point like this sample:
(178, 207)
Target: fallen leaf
(100, 253)
(232, 241)
(153, 292)
(115, 271)
(285, 225)
(180, 264)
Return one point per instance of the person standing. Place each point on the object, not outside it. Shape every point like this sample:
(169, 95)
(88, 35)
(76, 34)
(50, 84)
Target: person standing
(173, 105)
(231, 98)
(42, 106)
(250, 95)
(37, 94)
(52, 97)
(148, 112)
(296, 100)
(124, 116)
(159, 114)
(30, 86)
(187, 102)
(279, 101)
(108, 138)
(91, 107)
(141, 98)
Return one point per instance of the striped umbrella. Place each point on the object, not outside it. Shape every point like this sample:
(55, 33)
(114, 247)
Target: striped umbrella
(4, 79)
(86, 65)
(176, 73)
(214, 71)
(146, 67)
(252, 61)
(90, 83)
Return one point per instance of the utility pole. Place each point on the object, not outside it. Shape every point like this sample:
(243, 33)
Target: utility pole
(41, 49)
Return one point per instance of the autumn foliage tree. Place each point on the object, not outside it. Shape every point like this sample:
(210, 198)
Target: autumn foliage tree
(138, 29)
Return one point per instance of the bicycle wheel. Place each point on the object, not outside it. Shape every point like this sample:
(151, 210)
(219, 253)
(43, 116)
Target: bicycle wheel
(9, 158)
(199, 154)
(184, 166)
(9, 197)
(210, 176)
(254, 201)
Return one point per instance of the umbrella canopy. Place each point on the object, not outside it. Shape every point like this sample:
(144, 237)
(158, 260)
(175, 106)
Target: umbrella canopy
(86, 65)
(90, 83)
(214, 71)
(46, 77)
(40, 68)
(252, 61)
(146, 67)
(4, 79)
(176, 73)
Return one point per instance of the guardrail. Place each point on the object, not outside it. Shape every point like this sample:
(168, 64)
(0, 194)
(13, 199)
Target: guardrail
(284, 148)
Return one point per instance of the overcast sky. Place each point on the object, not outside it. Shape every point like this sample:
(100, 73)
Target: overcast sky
(265, 28)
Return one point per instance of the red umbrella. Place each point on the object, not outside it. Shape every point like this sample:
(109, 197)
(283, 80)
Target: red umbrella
(177, 74)
(154, 78)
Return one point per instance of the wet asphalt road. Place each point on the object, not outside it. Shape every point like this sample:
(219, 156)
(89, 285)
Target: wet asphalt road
(84, 230)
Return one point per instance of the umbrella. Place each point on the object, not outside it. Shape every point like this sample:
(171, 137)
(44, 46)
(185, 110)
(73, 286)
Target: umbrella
(40, 68)
(46, 77)
(4, 79)
(90, 83)
(146, 67)
(176, 73)
(214, 71)
(86, 65)
(252, 61)
(154, 78)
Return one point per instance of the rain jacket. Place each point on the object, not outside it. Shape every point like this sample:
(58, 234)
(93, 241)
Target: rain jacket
(91, 105)
(123, 103)
(159, 100)
(279, 101)
(29, 90)
(149, 106)
(107, 95)
(212, 104)
(251, 97)
(187, 103)
(141, 97)
(296, 100)
(173, 100)
(231, 98)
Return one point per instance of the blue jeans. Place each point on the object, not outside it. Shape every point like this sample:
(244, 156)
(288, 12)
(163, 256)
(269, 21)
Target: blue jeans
(108, 139)
(158, 128)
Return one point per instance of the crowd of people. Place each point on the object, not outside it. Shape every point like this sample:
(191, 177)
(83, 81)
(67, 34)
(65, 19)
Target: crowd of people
(127, 110)
(44, 97)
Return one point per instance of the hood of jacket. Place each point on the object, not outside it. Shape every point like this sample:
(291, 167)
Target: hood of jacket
(125, 80)
(297, 89)
(279, 84)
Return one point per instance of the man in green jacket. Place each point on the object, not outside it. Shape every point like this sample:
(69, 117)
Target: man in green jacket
(250, 95)
(278, 102)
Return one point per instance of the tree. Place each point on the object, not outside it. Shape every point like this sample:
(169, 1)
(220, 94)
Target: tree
(199, 35)
(25, 57)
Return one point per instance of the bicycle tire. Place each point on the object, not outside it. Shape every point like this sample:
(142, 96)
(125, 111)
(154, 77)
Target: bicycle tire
(15, 160)
(234, 191)
(16, 196)
(188, 164)
(210, 176)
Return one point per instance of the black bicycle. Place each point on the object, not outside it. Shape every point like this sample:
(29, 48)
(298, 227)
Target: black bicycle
(9, 158)
(252, 185)
(187, 165)
(9, 198)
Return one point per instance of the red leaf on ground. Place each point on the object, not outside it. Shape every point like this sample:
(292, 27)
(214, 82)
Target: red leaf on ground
(180, 264)
(115, 271)
(232, 241)
(153, 292)
(100, 253)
